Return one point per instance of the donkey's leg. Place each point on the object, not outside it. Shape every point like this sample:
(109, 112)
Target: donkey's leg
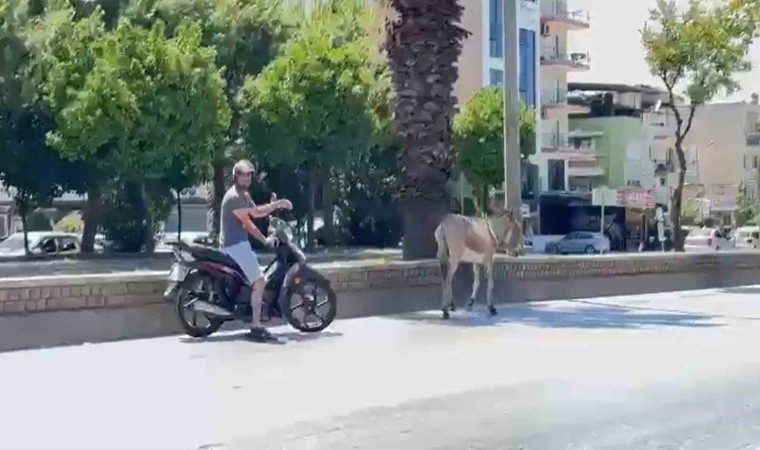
(448, 297)
(475, 285)
(489, 274)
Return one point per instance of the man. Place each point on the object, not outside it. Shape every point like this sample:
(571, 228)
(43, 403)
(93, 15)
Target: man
(238, 212)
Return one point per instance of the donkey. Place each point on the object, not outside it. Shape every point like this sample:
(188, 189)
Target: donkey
(472, 240)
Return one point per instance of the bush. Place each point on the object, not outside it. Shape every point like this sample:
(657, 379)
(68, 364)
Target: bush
(368, 214)
(126, 216)
(72, 223)
(38, 221)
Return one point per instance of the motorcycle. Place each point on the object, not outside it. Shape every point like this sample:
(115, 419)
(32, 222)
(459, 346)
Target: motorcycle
(208, 288)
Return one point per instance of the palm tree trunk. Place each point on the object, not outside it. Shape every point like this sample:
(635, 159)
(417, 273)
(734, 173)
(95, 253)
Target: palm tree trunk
(423, 45)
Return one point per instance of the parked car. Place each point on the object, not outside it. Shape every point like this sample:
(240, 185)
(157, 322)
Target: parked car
(41, 243)
(707, 239)
(188, 237)
(580, 242)
(747, 238)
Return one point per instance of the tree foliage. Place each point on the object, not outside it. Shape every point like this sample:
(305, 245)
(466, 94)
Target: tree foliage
(699, 50)
(747, 209)
(310, 107)
(479, 139)
(34, 172)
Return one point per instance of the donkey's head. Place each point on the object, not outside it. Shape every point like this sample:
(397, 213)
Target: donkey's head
(506, 226)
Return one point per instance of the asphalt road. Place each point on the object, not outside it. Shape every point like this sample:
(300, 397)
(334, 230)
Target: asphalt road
(664, 371)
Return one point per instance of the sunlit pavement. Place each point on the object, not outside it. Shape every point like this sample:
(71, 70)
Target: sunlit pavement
(654, 371)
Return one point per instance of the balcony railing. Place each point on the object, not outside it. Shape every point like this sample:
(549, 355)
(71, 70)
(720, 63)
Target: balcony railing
(558, 10)
(554, 97)
(552, 55)
(554, 140)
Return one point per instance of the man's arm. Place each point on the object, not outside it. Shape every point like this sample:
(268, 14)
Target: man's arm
(260, 211)
(245, 219)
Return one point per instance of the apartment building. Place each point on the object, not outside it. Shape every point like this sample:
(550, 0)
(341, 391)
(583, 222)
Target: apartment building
(724, 148)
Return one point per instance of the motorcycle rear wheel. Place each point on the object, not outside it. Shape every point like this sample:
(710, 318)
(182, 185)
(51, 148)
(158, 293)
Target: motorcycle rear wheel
(309, 300)
(195, 283)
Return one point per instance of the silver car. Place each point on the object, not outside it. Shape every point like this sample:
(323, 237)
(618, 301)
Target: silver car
(581, 242)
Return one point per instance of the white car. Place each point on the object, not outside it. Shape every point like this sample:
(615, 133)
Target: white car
(41, 243)
(188, 237)
(707, 239)
(580, 242)
(747, 238)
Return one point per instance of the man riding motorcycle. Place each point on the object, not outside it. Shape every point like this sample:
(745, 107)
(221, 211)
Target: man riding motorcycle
(237, 214)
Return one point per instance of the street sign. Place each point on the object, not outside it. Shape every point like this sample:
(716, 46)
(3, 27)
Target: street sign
(638, 198)
(604, 196)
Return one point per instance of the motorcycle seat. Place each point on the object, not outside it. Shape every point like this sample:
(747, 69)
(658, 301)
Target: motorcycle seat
(213, 255)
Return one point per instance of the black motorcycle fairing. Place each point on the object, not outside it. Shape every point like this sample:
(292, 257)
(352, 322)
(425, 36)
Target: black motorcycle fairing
(302, 272)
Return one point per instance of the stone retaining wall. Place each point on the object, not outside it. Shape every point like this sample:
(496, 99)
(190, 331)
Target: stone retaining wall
(28, 296)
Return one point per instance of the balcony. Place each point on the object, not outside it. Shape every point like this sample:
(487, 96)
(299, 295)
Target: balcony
(552, 56)
(556, 12)
(557, 99)
(584, 168)
(663, 167)
(559, 143)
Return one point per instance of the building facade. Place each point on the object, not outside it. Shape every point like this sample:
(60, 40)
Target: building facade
(724, 146)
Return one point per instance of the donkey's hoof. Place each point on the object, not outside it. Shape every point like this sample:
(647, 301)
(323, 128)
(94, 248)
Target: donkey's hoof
(453, 307)
(470, 305)
(492, 310)
(445, 315)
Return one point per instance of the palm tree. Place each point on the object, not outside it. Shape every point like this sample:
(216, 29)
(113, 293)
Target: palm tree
(423, 43)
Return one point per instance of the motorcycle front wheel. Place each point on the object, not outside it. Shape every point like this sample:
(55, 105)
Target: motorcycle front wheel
(311, 306)
(196, 324)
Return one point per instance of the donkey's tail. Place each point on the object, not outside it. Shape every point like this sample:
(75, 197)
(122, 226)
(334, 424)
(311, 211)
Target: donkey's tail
(443, 250)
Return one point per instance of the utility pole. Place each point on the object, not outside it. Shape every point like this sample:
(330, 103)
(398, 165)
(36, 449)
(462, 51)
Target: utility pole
(512, 182)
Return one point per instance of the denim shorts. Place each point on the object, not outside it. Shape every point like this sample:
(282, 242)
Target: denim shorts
(245, 257)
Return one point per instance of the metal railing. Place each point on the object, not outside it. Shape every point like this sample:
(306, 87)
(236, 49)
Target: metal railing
(559, 9)
(554, 55)
(554, 97)
(554, 140)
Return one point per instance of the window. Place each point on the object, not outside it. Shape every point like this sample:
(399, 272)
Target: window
(68, 244)
(556, 175)
(48, 246)
(528, 67)
(496, 29)
(754, 162)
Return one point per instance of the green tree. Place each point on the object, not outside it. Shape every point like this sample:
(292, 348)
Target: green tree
(701, 49)
(479, 140)
(246, 34)
(424, 42)
(310, 107)
(132, 102)
(747, 210)
(34, 172)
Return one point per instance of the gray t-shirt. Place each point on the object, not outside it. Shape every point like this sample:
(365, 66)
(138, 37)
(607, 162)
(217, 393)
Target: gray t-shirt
(232, 231)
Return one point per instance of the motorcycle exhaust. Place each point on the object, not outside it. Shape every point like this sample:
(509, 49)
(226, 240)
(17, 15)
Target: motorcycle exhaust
(212, 309)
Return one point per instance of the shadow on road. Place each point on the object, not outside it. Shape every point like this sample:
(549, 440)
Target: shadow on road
(742, 290)
(282, 338)
(575, 315)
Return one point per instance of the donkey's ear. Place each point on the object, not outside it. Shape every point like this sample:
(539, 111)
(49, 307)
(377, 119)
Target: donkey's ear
(496, 205)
